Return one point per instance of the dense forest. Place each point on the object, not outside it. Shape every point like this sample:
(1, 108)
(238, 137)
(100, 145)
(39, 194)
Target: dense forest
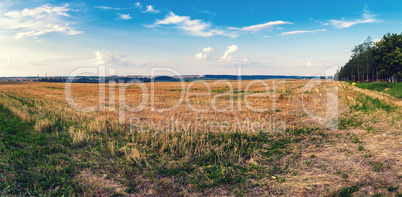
(374, 61)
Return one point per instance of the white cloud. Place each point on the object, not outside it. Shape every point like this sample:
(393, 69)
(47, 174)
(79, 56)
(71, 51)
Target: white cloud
(172, 19)
(110, 58)
(259, 27)
(366, 18)
(231, 49)
(150, 9)
(201, 56)
(38, 21)
(245, 60)
(107, 8)
(39, 12)
(208, 50)
(125, 16)
(301, 32)
(194, 27)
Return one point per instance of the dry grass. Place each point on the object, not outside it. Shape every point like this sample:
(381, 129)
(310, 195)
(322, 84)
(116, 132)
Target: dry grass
(97, 185)
(43, 124)
(77, 135)
(319, 163)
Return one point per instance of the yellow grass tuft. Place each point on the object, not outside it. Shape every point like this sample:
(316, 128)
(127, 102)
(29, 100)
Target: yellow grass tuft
(78, 136)
(25, 116)
(110, 145)
(132, 154)
(43, 124)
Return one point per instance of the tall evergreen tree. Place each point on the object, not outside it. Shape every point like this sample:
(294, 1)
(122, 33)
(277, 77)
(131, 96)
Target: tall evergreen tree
(387, 54)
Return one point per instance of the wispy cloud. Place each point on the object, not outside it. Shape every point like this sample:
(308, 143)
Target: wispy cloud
(208, 12)
(231, 49)
(208, 50)
(193, 27)
(124, 16)
(151, 9)
(301, 32)
(202, 55)
(38, 21)
(107, 8)
(366, 18)
(264, 26)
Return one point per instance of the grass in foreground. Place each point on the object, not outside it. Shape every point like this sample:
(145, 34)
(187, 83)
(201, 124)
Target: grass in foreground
(52, 155)
(33, 163)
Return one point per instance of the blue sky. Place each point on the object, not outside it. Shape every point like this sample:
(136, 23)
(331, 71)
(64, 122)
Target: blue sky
(193, 37)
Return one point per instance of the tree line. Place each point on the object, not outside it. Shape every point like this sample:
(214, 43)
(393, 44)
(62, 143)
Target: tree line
(374, 61)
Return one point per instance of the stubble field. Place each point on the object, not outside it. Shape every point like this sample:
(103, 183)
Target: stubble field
(255, 138)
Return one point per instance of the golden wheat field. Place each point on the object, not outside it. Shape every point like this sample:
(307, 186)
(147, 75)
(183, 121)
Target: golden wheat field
(264, 138)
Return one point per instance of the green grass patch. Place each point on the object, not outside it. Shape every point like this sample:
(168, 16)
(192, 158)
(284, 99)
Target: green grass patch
(348, 191)
(33, 164)
(394, 89)
(368, 104)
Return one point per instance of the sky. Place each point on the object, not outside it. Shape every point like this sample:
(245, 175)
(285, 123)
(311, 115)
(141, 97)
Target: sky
(289, 37)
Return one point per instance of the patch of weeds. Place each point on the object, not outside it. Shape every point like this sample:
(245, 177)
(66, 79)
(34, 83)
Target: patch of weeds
(348, 191)
(360, 148)
(349, 122)
(301, 131)
(392, 188)
(377, 165)
(369, 129)
(356, 140)
(367, 103)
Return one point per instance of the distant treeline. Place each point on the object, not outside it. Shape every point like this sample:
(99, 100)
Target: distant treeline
(83, 79)
(107, 79)
(256, 77)
(372, 61)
